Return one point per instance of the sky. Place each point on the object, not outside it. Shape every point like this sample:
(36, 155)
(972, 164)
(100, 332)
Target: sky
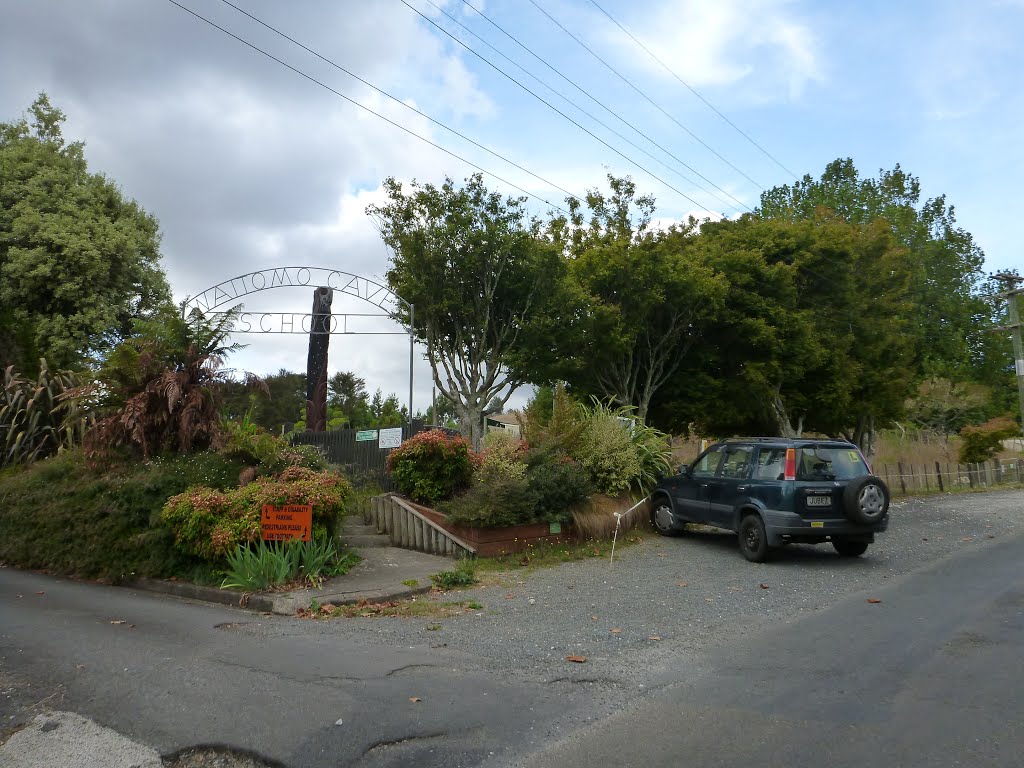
(250, 165)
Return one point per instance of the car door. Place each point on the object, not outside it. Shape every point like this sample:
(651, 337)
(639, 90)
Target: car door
(691, 492)
(728, 483)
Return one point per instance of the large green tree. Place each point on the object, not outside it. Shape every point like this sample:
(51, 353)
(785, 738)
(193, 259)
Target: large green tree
(639, 298)
(947, 307)
(815, 332)
(78, 261)
(483, 278)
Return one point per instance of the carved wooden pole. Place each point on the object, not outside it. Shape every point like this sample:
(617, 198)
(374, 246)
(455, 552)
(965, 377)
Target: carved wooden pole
(316, 362)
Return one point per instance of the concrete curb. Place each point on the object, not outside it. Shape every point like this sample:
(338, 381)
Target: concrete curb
(280, 603)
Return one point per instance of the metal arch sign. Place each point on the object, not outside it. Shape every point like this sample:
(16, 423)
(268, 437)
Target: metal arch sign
(297, 277)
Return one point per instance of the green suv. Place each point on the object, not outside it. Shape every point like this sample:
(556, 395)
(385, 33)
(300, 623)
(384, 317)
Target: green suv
(776, 491)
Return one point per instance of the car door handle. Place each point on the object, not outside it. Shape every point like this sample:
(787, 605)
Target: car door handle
(741, 488)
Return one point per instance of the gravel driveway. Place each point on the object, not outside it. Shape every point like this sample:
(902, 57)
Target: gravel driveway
(666, 599)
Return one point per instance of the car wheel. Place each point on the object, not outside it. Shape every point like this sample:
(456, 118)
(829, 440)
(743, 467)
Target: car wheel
(664, 519)
(866, 500)
(850, 548)
(753, 539)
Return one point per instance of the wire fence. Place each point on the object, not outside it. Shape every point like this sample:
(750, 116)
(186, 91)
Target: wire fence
(915, 478)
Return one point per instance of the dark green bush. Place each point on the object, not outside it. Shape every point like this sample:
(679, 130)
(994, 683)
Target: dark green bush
(552, 486)
(462, 575)
(432, 466)
(497, 504)
(556, 484)
(62, 516)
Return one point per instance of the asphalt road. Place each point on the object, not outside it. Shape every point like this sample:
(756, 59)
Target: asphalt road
(178, 674)
(930, 676)
(804, 673)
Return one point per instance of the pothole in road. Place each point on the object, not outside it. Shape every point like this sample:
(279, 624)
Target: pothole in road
(217, 757)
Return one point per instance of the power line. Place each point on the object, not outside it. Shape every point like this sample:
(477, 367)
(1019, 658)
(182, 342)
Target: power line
(692, 90)
(644, 95)
(399, 101)
(364, 107)
(544, 101)
(597, 101)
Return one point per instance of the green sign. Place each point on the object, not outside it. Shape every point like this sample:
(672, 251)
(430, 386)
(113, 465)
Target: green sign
(555, 528)
(366, 434)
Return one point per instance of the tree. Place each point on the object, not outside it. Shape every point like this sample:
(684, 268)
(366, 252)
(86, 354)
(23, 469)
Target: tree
(159, 390)
(347, 394)
(814, 333)
(78, 261)
(641, 298)
(948, 306)
(482, 277)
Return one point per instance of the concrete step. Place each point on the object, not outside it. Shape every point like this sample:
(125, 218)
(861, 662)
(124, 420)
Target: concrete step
(360, 540)
(355, 529)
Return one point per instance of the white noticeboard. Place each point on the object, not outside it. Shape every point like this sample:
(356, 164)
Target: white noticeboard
(389, 438)
(1020, 367)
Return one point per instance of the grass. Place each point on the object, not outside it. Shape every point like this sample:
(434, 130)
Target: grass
(61, 516)
(546, 555)
(462, 575)
(414, 608)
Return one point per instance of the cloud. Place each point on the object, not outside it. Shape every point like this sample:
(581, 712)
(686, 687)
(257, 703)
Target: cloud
(713, 43)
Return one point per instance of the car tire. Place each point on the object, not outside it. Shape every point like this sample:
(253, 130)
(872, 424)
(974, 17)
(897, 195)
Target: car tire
(866, 500)
(753, 539)
(850, 548)
(664, 519)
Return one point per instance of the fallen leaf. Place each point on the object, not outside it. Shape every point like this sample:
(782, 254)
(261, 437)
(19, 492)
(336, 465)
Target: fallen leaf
(510, 596)
(874, 600)
(415, 699)
(965, 538)
(654, 637)
(684, 583)
(615, 630)
(735, 589)
(592, 618)
(709, 599)
(20, 596)
(576, 659)
(763, 586)
(661, 554)
(41, 593)
(118, 621)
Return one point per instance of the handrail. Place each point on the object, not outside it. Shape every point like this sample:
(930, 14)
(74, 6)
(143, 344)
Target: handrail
(440, 529)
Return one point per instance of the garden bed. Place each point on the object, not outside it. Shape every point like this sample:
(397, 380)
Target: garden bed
(492, 542)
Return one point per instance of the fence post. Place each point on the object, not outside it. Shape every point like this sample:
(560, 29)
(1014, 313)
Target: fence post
(927, 482)
(970, 474)
(938, 474)
(998, 466)
(903, 482)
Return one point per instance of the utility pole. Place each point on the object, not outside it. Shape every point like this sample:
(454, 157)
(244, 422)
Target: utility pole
(1012, 290)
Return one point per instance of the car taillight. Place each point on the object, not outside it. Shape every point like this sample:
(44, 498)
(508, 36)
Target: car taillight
(790, 464)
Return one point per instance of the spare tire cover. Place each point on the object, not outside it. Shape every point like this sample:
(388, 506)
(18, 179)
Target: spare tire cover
(866, 500)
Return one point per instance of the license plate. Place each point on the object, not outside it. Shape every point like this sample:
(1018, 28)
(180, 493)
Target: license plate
(819, 501)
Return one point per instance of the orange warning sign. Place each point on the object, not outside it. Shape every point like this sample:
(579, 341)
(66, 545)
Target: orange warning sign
(292, 521)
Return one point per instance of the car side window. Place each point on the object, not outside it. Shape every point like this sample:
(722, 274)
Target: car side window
(707, 464)
(737, 462)
(771, 464)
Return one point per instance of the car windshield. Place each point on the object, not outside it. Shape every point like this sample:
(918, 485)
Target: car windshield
(830, 463)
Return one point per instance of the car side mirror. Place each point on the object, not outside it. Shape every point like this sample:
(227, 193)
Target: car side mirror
(685, 470)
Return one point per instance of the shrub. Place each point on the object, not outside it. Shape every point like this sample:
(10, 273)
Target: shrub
(211, 524)
(984, 441)
(557, 484)
(255, 446)
(502, 458)
(36, 417)
(263, 565)
(498, 504)
(462, 575)
(431, 466)
(61, 515)
(606, 450)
